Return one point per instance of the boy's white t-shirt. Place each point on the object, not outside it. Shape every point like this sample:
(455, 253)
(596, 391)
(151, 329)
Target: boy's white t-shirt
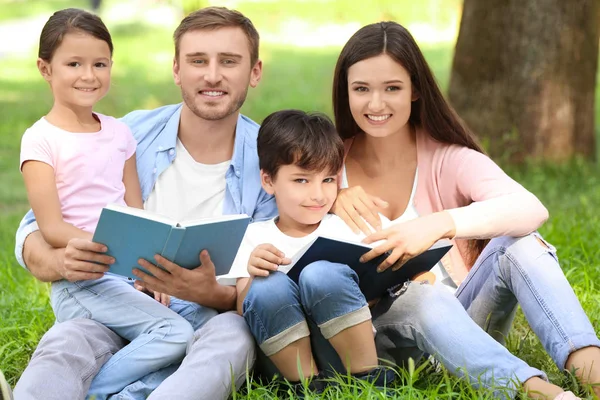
(189, 190)
(267, 232)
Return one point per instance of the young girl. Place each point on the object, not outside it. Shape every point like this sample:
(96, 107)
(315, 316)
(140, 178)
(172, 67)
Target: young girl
(404, 144)
(74, 162)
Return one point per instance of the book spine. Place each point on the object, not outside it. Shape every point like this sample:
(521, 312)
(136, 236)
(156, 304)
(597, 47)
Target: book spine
(173, 242)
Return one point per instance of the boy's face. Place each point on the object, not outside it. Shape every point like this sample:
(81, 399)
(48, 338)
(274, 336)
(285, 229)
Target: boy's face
(214, 71)
(303, 197)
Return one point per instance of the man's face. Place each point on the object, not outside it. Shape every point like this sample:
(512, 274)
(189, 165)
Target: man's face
(214, 71)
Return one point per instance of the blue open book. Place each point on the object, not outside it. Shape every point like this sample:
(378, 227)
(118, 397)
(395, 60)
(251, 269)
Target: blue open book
(131, 234)
(373, 284)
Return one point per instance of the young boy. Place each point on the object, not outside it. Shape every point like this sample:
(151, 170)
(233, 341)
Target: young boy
(300, 156)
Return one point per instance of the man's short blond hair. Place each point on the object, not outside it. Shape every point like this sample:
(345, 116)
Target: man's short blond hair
(211, 18)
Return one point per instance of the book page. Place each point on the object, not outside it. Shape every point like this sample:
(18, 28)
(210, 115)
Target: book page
(210, 220)
(141, 213)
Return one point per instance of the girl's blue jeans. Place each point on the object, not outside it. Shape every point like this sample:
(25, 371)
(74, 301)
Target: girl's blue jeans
(159, 336)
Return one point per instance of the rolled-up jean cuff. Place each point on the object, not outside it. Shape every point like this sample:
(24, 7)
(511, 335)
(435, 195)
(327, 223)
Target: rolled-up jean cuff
(334, 326)
(283, 339)
(573, 344)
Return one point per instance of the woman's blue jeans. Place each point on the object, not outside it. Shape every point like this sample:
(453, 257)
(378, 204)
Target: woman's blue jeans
(427, 319)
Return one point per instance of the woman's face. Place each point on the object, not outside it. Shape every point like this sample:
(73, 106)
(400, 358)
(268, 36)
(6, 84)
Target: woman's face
(380, 95)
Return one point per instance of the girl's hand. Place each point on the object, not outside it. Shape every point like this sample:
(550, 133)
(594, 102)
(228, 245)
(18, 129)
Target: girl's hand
(354, 204)
(265, 258)
(137, 285)
(163, 298)
(85, 260)
(409, 239)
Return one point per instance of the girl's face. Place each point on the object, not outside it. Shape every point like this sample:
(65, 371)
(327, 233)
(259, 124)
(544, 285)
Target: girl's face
(380, 94)
(79, 73)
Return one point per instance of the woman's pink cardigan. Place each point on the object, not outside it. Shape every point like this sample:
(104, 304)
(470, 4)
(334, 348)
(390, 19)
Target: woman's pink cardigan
(483, 201)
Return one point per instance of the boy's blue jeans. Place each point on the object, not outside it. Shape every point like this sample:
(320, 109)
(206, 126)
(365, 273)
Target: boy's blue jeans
(158, 336)
(279, 311)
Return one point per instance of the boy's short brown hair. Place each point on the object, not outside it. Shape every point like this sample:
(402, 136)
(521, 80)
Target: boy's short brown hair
(308, 140)
(210, 18)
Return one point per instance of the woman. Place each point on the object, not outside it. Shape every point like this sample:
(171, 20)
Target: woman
(405, 144)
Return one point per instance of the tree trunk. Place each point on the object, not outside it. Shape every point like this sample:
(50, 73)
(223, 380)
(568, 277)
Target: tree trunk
(524, 76)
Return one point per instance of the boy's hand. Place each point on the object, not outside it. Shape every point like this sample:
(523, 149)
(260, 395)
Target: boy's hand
(265, 258)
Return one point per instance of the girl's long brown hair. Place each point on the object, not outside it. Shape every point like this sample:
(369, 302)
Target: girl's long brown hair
(430, 111)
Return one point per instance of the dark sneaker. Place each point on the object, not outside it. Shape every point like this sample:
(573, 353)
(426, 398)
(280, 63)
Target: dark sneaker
(380, 377)
(5, 392)
(315, 385)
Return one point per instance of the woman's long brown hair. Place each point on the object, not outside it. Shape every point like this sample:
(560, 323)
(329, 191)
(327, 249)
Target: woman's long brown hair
(430, 111)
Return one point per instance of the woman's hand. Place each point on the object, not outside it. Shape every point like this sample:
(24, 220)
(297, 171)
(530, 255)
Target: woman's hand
(355, 206)
(409, 239)
(265, 258)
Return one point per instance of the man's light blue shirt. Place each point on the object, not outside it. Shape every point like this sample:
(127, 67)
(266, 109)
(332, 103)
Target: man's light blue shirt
(156, 134)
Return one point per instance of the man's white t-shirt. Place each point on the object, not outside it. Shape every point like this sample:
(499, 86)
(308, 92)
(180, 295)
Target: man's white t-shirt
(267, 232)
(189, 190)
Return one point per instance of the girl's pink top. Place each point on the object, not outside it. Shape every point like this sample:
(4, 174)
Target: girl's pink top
(483, 201)
(88, 167)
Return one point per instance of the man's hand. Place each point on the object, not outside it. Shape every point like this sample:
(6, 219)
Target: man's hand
(198, 285)
(76, 262)
(84, 261)
(265, 258)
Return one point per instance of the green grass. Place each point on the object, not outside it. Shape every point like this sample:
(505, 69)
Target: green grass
(293, 78)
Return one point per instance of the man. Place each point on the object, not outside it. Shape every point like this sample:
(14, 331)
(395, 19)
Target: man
(195, 159)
